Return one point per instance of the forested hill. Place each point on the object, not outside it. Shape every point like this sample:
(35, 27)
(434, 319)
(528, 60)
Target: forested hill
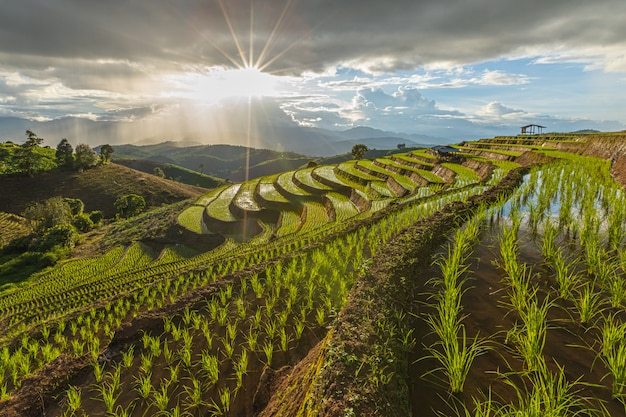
(235, 163)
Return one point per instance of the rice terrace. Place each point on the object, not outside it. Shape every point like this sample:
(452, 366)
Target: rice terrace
(487, 278)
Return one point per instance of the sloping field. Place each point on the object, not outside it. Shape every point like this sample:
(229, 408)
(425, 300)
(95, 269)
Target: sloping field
(11, 227)
(331, 309)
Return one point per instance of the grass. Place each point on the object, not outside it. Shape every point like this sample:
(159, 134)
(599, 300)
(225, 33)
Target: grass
(11, 227)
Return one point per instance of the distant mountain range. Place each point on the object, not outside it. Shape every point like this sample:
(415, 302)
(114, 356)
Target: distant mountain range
(268, 132)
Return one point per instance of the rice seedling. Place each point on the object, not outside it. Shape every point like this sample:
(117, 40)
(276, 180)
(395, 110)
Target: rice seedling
(146, 363)
(241, 368)
(72, 400)
(566, 278)
(98, 371)
(257, 318)
(298, 328)
(285, 339)
(588, 303)
(231, 330)
(252, 339)
(268, 349)
(320, 316)
(224, 407)
(143, 385)
(77, 347)
(109, 393)
(174, 374)
(168, 354)
(549, 394)
(94, 348)
(456, 358)
(4, 393)
(612, 333)
(617, 289)
(530, 338)
(160, 397)
(184, 354)
(210, 367)
(615, 361)
(193, 399)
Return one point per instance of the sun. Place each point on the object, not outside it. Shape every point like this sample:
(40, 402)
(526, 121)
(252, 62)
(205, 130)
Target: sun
(218, 84)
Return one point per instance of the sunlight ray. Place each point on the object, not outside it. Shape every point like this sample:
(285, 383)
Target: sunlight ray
(283, 52)
(251, 40)
(233, 34)
(273, 34)
(226, 55)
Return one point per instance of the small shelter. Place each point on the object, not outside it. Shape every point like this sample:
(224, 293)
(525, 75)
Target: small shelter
(532, 129)
(445, 152)
(444, 149)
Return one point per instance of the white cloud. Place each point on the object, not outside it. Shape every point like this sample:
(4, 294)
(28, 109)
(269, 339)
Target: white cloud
(498, 113)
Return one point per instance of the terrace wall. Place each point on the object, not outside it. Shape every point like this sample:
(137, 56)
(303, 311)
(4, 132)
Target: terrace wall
(361, 202)
(446, 173)
(342, 189)
(482, 169)
(415, 164)
(395, 186)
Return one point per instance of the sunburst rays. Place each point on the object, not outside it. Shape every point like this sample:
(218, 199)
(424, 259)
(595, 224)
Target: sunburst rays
(265, 58)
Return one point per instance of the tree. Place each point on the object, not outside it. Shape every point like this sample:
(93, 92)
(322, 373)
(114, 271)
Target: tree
(83, 222)
(62, 235)
(129, 205)
(358, 151)
(158, 172)
(28, 159)
(65, 154)
(52, 212)
(105, 153)
(85, 156)
(76, 205)
(201, 166)
(401, 145)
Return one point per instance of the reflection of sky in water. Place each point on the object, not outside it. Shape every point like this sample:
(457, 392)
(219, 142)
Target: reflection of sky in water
(556, 202)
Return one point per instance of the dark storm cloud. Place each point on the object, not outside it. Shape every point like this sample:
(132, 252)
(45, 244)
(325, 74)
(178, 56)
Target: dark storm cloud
(312, 35)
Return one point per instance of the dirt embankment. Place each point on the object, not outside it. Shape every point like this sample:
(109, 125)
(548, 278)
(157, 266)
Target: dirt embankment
(611, 147)
(361, 370)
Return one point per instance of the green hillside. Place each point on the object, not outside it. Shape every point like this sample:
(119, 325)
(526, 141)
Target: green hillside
(46, 159)
(234, 163)
(98, 188)
(173, 172)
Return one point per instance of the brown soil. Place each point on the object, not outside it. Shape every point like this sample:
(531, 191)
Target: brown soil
(530, 158)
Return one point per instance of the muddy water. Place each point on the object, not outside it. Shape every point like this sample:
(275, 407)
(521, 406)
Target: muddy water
(487, 315)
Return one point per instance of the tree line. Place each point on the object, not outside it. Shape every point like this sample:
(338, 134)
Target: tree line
(30, 158)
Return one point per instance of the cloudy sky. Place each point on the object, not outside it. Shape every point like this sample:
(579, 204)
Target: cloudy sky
(448, 68)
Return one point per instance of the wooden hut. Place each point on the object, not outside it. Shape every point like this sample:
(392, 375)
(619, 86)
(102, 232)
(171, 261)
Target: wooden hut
(532, 129)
